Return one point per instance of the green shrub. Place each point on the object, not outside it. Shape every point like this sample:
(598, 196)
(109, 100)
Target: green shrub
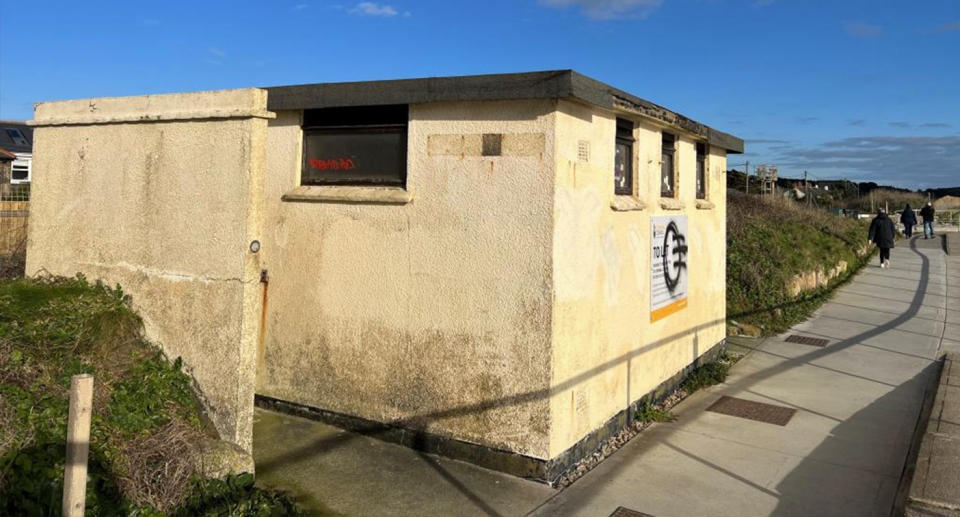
(649, 414)
(707, 375)
(235, 495)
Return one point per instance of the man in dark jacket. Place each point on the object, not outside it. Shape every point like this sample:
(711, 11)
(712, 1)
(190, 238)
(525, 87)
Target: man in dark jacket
(909, 219)
(927, 214)
(882, 233)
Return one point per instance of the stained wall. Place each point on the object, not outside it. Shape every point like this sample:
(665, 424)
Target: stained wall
(161, 195)
(428, 307)
(606, 351)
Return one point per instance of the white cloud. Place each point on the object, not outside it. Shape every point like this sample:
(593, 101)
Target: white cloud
(949, 27)
(884, 159)
(215, 56)
(608, 9)
(373, 9)
(863, 30)
(300, 7)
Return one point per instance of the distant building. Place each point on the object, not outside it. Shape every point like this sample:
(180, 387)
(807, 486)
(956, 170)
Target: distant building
(17, 138)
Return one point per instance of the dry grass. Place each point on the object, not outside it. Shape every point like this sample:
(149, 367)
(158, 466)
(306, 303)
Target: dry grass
(158, 468)
(13, 259)
(12, 266)
(882, 198)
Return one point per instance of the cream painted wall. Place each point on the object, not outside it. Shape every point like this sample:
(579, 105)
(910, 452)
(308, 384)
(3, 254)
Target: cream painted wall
(433, 314)
(505, 304)
(160, 195)
(606, 352)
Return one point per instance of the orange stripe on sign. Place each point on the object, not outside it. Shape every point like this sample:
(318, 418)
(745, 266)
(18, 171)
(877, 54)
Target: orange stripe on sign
(667, 310)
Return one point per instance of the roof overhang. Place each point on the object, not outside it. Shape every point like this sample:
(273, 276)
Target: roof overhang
(557, 84)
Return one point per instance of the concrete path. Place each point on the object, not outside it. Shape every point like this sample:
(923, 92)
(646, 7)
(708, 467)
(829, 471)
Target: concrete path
(856, 401)
(334, 472)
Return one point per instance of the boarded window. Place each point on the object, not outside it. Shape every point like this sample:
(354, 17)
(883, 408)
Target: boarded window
(623, 160)
(668, 179)
(355, 146)
(701, 171)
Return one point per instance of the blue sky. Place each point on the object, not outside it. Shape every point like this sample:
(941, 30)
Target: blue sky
(866, 90)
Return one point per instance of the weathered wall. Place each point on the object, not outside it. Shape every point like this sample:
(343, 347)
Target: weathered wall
(160, 194)
(606, 352)
(434, 313)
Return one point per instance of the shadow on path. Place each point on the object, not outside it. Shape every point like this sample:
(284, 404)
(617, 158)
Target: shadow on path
(802, 483)
(322, 445)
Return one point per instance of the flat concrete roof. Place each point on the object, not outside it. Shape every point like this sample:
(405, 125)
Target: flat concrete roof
(554, 84)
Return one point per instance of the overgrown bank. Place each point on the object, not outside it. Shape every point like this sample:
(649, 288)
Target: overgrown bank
(771, 243)
(147, 423)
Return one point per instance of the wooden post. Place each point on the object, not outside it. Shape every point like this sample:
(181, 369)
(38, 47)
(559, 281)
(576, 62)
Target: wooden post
(78, 445)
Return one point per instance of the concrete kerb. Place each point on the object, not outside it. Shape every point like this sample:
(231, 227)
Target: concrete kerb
(934, 468)
(951, 243)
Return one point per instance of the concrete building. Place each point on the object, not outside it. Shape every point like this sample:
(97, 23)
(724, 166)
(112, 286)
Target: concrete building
(488, 267)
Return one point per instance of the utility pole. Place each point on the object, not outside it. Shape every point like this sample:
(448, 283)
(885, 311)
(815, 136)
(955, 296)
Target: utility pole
(746, 175)
(806, 187)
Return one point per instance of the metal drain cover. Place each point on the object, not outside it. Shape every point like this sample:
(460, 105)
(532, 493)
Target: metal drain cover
(626, 512)
(806, 340)
(768, 413)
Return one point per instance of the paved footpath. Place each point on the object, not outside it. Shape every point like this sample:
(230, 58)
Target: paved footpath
(856, 402)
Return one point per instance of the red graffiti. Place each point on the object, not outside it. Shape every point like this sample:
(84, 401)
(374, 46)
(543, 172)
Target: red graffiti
(333, 164)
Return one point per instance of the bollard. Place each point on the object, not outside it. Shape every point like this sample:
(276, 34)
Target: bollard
(78, 445)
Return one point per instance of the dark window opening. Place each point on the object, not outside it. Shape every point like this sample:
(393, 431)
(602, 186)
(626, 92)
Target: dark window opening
(623, 160)
(668, 180)
(20, 173)
(364, 145)
(701, 171)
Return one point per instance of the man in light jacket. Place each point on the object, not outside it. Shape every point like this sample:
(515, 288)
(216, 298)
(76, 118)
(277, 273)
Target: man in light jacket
(927, 213)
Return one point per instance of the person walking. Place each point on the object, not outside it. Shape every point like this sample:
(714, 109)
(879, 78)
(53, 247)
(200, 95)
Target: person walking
(909, 219)
(882, 233)
(927, 213)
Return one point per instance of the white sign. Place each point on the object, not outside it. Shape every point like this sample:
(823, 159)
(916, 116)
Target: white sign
(669, 268)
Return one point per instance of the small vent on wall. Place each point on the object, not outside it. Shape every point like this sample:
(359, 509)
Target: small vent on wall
(583, 151)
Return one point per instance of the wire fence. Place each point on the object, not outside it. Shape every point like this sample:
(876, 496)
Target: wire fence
(14, 211)
(948, 220)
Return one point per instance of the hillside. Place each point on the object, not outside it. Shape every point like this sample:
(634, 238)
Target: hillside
(771, 244)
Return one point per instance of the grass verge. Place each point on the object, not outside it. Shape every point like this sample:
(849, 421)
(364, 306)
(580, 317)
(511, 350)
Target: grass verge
(769, 243)
(146, 420)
